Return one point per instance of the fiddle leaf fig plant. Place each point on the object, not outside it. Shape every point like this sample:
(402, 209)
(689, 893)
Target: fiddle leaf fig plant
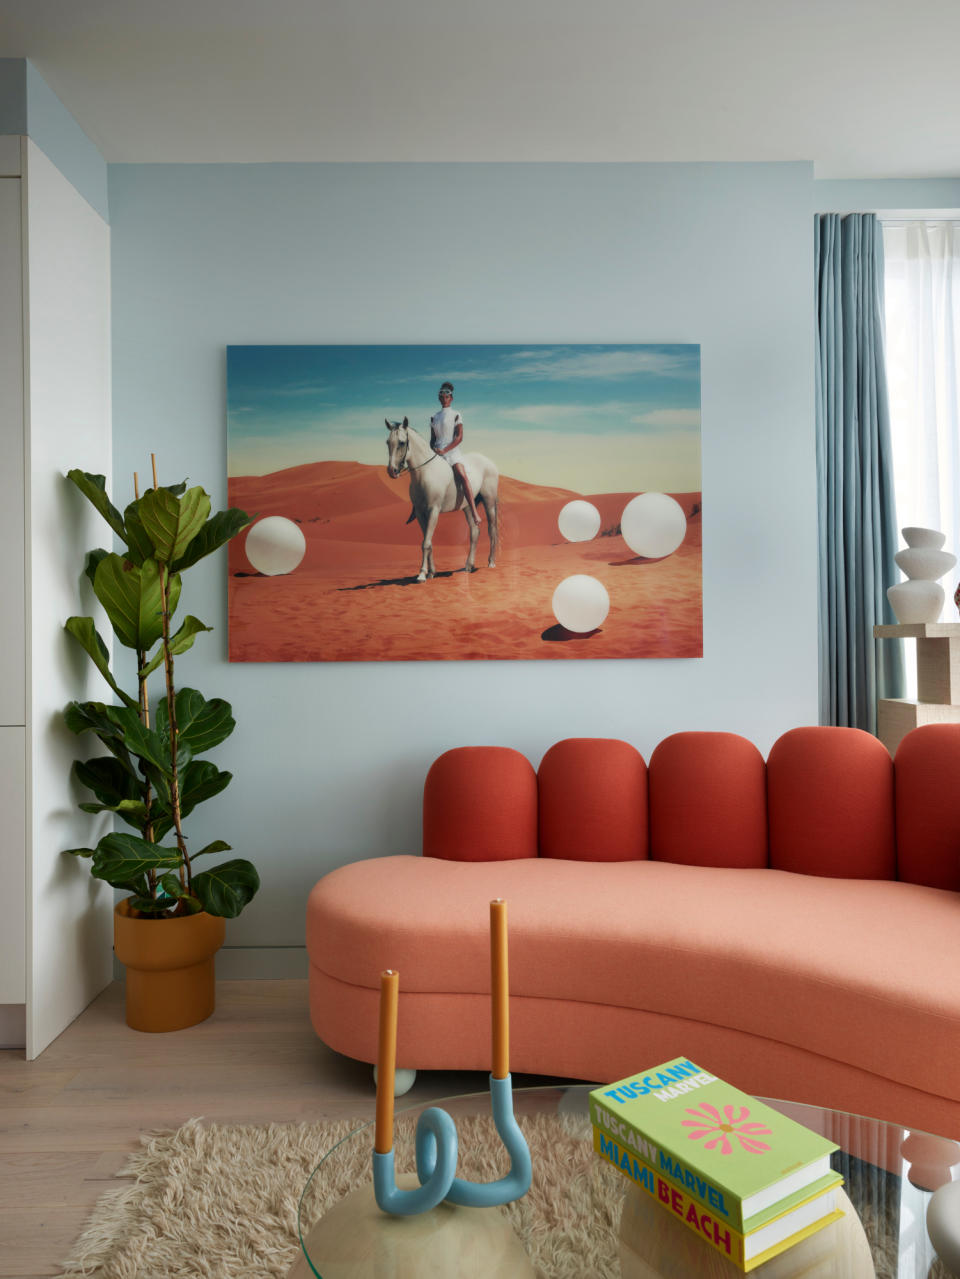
(153, 776)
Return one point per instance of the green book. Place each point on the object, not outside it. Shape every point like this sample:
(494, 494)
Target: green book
(716, 1143)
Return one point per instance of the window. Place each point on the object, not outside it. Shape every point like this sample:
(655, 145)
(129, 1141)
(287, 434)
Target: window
(922, 304)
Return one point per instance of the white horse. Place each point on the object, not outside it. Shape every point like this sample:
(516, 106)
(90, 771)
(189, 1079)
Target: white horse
(433, 490)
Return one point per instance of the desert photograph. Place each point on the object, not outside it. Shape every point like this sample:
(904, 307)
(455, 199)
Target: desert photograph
(368, 472)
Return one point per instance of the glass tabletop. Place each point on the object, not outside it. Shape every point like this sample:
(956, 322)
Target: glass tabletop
(569, 1221)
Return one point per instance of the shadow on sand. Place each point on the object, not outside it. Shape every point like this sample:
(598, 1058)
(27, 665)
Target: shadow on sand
(396, 581)
(558, 634)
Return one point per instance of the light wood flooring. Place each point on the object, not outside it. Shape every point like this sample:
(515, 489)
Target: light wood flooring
(68, 1119)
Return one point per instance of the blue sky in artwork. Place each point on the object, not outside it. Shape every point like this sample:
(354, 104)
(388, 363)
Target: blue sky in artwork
(531, 408)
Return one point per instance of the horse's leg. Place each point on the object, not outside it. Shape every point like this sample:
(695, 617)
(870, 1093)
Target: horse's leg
(428, 526)
(474, 531)
(493, 529)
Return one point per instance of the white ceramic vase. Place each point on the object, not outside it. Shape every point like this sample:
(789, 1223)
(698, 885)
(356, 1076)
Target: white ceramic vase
(924, 537)
(920, 599)
(943, 1225)
(924, 562)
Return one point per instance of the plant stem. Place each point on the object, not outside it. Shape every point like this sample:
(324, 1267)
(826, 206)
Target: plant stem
(144, 709)
(186, 875)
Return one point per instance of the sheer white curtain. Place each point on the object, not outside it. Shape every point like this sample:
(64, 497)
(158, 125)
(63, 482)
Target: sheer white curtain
(922, 303)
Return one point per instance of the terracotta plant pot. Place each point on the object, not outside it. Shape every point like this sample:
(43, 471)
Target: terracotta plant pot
(170, 967)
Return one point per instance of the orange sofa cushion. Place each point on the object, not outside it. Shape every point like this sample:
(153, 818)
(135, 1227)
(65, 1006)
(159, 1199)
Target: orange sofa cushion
(927, 769)
(705, 944)
(480, 804)
(830, 804)
(593, 801)
(708, 801)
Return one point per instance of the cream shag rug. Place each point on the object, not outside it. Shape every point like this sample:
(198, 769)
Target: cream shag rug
(219, 1201)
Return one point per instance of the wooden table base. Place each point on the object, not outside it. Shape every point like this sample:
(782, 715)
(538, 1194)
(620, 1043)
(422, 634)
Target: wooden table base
(355, 1240)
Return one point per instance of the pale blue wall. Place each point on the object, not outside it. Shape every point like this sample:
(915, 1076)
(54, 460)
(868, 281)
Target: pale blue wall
(329, 760)
(28, 105)
(871, 196)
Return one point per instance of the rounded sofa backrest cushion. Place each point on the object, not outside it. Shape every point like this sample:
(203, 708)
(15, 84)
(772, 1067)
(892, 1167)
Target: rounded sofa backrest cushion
(593, 801)
(708, 801)
(479, 805)
(927, 770)
(830, 804)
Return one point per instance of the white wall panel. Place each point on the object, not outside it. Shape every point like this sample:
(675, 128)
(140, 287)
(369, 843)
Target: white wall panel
(68, 256)
(13, 860)
(12, 655)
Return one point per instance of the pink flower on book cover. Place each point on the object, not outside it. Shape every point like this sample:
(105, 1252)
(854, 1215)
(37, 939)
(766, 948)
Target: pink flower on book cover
(730, 1124)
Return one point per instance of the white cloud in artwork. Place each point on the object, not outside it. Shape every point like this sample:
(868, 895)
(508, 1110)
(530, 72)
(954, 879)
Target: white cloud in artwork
(559, 366)
(669, 419)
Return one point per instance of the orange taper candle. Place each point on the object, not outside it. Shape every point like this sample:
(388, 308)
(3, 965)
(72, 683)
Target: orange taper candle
(386, 1060)
(500, 988)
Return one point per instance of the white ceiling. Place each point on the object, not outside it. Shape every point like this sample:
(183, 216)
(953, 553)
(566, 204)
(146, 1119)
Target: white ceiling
(864, 88)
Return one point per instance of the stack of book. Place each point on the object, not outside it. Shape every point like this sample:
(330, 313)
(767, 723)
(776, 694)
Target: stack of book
(746, 1179)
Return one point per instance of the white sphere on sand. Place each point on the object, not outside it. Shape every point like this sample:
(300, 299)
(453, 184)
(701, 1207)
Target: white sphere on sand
(580, 603)
(275, 545)
(579, 521)
(653, 525)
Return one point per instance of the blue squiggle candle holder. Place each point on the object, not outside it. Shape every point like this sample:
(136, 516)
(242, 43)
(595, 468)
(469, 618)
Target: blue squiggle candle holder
(438, 1128)
(436, 1134)
(436, 1152)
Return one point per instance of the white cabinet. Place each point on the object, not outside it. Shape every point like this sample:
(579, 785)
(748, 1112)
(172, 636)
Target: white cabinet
(55, 922)
(13, 863)
(13, 711)
(12, 615)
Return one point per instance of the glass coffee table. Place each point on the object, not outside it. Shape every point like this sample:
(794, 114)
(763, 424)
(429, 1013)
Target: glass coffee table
(569, 1223)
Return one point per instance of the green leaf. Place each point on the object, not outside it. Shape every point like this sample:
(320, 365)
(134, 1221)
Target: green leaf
(144, 742)
(151, 906)
(85, 632)
(215, 533)
(139, 546)
(172, 886)
(93, 559)
(95, 717)
(131, 810)
(121, 859)
(199, 781)
(81, 852)
(227, 888)
(130, 594)
(218, 846)
(107, 778)
(179, 643)
(203, 724)
(94, 489)
(172, 523)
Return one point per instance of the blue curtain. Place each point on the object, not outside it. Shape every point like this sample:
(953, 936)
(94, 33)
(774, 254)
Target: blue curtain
(857, 516)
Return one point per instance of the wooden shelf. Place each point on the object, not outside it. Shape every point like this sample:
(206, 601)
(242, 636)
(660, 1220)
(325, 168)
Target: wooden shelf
(919, 630)
(938, 681)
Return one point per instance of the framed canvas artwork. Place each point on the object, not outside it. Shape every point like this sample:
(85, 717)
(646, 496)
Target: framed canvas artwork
(415, 503)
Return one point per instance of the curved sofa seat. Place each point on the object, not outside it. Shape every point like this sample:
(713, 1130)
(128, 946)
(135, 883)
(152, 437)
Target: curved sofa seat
(836, 989)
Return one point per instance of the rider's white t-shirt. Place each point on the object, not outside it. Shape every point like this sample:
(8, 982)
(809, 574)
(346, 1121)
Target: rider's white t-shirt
(443, 427)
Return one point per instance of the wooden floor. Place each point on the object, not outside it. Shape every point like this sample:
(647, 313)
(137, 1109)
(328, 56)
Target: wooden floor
(68, 1119)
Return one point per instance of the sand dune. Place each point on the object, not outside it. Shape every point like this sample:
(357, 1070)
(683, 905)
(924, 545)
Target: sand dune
(355, 597)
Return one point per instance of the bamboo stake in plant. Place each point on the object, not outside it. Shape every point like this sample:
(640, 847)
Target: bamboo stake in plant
(144, 702)
(185, 870)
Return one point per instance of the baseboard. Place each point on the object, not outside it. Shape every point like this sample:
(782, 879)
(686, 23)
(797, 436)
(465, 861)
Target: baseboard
(251, 963)
(13, 1023)
(261, 963)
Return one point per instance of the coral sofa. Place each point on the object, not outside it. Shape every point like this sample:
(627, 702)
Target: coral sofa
(792, 924)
